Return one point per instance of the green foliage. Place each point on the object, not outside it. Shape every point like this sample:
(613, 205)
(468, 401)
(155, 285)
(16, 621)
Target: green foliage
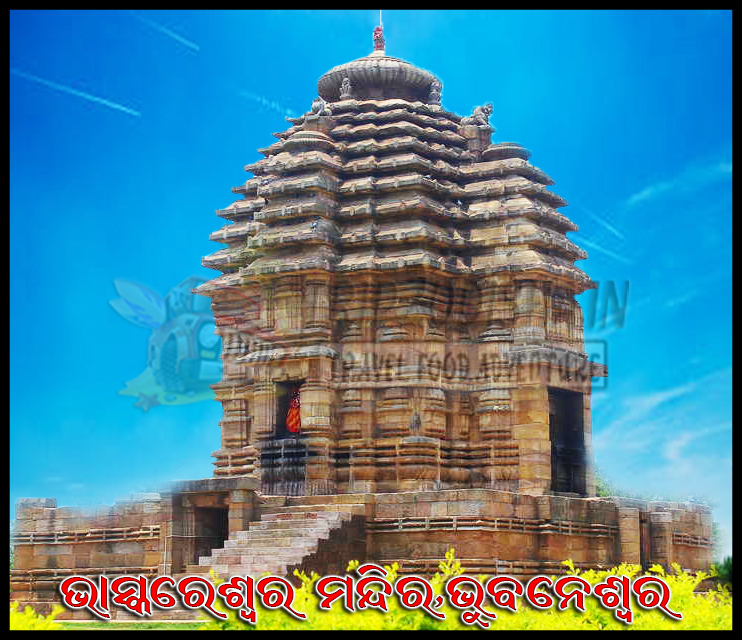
(115, 625)
(717, 535)
(724, 571)
(708, 611)
(29, 620)
(604, 488)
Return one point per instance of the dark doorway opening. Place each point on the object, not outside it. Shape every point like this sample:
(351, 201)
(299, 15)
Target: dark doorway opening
(567, 436)
(285, 392)
(283, 458)
(211, 530)
(645, 540)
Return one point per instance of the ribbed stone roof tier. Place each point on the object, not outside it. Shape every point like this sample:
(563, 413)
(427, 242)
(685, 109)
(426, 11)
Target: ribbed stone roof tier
(377, 75)
(305, 233)
(288, 163)
(231, 233)
(241, 209)
(384, 180)
(317, 205)
(404, 205)
(415, 115)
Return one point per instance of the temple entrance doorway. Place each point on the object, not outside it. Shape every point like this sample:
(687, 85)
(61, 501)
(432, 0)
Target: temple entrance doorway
(566, 433)
(284, 456)
(211, 529)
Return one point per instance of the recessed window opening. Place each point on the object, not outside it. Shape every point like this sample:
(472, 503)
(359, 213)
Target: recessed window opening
(288, 413)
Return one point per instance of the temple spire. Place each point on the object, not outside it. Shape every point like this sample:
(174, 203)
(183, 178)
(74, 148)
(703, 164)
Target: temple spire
(379, 40)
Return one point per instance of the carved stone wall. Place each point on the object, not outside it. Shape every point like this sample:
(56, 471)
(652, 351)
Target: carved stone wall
(416, 278)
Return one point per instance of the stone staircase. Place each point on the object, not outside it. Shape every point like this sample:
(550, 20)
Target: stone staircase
(305, 533)
(283, 539)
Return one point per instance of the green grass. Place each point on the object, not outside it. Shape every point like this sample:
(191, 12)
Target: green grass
(95, 625)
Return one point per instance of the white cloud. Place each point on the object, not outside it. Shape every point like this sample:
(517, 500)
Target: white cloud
(75, 92)
(607, 252)
(692, 178)
(164, 30)
(675, 446)
(267, 103)
(674, 443)
(604, 223)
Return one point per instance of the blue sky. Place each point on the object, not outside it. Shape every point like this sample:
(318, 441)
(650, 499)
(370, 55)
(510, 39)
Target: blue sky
(127, 131)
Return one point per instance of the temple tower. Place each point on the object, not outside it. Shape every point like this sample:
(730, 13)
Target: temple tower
(409, 284)
(401, 338)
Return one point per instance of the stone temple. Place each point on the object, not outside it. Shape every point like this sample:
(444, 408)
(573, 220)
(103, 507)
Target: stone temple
(404, 368)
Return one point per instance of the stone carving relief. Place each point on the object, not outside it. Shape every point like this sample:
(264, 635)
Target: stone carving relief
(320, 107)
(415, 424)
(480, 117)
(435, 92)
(346, 90)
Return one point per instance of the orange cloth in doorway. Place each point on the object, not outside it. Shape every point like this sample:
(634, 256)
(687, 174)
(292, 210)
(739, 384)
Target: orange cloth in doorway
(293, 419)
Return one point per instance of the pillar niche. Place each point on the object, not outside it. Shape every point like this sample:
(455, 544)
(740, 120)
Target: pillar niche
(529, 313)
(661, 537)
(241, 509)
(418, 463)
(432, 412)
(317, 304)
(317, 397)
(493, 305)
(362, 469)
(288, 301)
(629, 534)
(493, 410)
(530, 406)
(264, 405)
(351, 414)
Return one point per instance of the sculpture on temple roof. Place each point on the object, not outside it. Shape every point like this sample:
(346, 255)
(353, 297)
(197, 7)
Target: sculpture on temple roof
(415, 424)
(346, 90)
(320, 107)
(435, 92)
(379, 39)
(480, 117)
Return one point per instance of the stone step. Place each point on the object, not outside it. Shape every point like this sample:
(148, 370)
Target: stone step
(223, 556)
(264, 555)
(288, 523)
(196, 569)
(283, 537)
(265, 541)
(261, 554)
(266, 544)
(284, 532)
(256, 570)
(281, 532)
(260, 565)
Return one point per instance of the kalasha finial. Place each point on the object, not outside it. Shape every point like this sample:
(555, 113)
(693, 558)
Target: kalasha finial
(379, 38)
